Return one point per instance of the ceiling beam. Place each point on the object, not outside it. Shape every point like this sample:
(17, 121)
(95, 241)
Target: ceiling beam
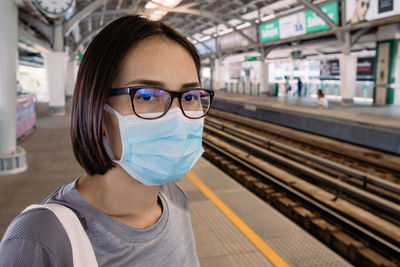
(39, 43)
(355, 37)
(81, 15)
(185, 10)
(45, 29)
(88, 37)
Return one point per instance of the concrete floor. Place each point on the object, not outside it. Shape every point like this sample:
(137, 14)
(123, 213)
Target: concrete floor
(219, 243)
(51, 163)
(386, 116)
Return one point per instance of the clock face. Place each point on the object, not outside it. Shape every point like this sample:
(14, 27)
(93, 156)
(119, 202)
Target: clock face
(54, 8)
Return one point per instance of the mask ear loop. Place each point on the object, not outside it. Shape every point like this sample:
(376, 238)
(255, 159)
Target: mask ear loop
(107, 147)
(111, 110)
(106, 143)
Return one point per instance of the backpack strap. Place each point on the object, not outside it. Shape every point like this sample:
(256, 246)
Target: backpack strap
(82, 250)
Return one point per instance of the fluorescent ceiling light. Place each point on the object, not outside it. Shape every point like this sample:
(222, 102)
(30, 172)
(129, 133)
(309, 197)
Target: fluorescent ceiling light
(234, 22)
(268, 17)
(210, 31)
(204, 38)
(197, 36)
(244, 25)
(156, 9)
(226, 31)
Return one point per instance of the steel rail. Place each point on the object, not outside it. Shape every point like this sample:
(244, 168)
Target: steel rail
(359, 230)
(383, 205)
(366, 178)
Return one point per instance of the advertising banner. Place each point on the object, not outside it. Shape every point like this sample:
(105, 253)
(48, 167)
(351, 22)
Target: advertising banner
(292, 25)
(234, 39)
(234, 70)
(329, 69)
(269, 31)
(315, 23)
(365, 68)
(365, 10)
(298, 24)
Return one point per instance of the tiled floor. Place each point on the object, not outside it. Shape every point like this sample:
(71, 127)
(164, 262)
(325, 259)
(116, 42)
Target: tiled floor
(294, 245)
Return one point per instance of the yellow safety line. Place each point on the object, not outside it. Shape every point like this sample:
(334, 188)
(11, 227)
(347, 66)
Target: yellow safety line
(239, 223)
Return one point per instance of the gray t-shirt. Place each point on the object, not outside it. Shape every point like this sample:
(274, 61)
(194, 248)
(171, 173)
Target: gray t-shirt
(36, 237)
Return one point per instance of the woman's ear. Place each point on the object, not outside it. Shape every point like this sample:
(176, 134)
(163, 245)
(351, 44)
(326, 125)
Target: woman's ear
(112, 135)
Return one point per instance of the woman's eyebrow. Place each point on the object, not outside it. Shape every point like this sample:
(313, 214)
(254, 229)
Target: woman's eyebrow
(146, 82)
(190, 85)
(159, 83)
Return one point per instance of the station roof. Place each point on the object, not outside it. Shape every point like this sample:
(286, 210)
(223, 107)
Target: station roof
(198, 20)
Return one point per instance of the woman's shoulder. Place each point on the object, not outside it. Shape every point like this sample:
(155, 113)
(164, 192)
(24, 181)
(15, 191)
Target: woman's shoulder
(41, 238)
(175, 193)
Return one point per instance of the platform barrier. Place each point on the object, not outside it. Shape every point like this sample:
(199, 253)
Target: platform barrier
(26, 117)
(242, 88)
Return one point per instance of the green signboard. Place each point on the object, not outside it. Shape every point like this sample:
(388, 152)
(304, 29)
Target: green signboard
(269, 31)
(255, 58)
(315, 23)
(78, 56)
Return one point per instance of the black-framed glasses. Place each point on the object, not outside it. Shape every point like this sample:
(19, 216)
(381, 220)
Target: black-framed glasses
(153, 103)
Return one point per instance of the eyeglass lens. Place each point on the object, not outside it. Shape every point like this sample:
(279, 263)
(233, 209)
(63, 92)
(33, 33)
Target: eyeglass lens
(151, 103)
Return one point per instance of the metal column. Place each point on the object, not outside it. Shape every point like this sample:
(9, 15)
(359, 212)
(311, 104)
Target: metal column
(55, 66)
(12, 158)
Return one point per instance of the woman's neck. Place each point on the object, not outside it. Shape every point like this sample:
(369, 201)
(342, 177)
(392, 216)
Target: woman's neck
(121, 197)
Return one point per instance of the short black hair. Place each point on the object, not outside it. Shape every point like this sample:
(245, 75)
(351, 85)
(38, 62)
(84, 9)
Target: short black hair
(97, 71)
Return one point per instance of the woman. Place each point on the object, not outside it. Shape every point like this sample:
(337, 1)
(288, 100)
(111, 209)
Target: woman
(322, 101)
(136, 125)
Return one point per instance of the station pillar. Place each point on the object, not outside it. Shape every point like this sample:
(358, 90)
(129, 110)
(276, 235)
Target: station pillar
(216, 75)
(348, 72)
(212, 70)
(264, 83)
(387, 70)
(70, 78)
(387, 76)
(55, 63)
(223, 74)
(12, 157)
(348, 75)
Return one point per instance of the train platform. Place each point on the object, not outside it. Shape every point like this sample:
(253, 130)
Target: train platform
(232, 226)
(359, 123)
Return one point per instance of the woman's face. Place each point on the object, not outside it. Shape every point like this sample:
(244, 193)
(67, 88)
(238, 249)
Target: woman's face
(157, 62)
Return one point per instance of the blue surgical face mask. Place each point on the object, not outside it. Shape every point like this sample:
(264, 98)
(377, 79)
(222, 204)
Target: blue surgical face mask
(158, 151)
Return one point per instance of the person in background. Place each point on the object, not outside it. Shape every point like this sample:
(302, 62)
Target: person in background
(322, 101)
(288, 87)
(299, 87)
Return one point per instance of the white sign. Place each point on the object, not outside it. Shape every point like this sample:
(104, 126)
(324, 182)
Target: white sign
(292, 25)
(364, 10)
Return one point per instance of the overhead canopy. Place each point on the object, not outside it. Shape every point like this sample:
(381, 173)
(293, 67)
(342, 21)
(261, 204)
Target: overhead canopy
(198, 20)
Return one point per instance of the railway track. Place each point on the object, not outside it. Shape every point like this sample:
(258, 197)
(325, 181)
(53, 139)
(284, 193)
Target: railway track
(327, 198)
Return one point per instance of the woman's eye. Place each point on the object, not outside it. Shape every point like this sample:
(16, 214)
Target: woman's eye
(190, 98)
(145, 97)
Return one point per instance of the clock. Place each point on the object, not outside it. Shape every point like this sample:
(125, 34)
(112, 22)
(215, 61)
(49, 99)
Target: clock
(54, 8)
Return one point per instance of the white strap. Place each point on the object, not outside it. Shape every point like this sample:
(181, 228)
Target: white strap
(82, 250)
